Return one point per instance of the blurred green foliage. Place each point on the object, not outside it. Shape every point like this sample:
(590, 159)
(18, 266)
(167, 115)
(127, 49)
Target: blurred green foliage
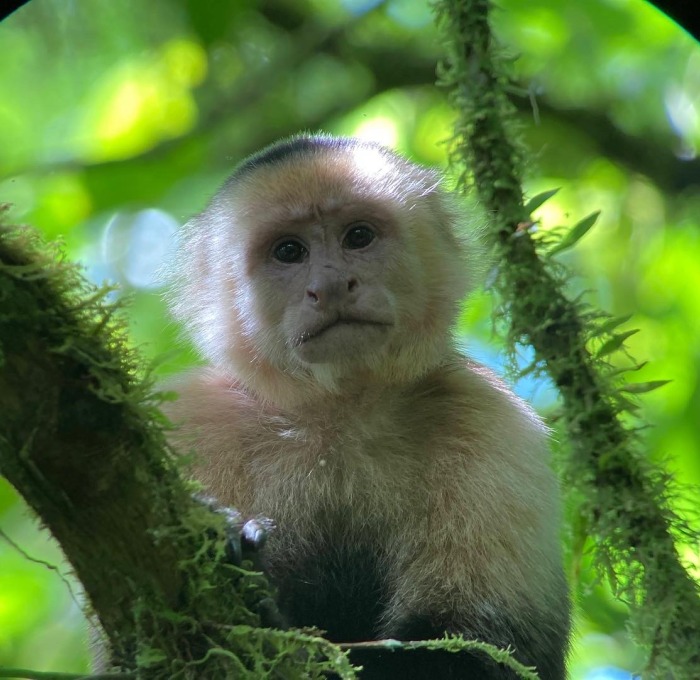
(119, 120)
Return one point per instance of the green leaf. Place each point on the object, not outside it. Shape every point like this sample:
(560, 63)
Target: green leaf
(536, 201)
(642, 387)
(576, 233)
(628, 369)
(612, 323)
(615, 342)
(625, 404)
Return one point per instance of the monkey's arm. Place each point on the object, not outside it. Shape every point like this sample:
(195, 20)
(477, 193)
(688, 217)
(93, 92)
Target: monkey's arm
(537, 637)
(481, 556)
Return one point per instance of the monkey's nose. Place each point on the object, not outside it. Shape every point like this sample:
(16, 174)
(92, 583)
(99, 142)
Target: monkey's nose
(328, 291)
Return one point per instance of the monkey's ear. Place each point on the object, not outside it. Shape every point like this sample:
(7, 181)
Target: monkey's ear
(187, 270)
(463, 226)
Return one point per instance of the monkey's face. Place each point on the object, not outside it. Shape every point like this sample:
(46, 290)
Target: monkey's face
(326, 284)
(332, 266)
(345, 260)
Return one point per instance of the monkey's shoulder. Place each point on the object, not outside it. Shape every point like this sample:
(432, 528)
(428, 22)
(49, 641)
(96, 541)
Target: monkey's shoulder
(203, 396)
(217, 423)
(466, 400)
(208, 404)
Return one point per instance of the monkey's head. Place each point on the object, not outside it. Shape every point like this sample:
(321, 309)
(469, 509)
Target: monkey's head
(320, 262)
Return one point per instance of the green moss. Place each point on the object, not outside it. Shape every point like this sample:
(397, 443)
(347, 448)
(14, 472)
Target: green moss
(82, 440)
(624, 506)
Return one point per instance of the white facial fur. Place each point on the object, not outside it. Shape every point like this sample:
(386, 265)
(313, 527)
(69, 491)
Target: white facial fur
(339, 312)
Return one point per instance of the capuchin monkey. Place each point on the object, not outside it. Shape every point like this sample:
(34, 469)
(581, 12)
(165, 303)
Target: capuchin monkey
(410, 488)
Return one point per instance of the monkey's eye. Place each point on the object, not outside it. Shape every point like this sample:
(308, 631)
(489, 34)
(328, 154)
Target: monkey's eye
(358, 236)
(289, 252)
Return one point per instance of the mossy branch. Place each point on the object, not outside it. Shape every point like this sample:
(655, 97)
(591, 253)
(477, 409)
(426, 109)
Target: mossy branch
(82, 440)
(626, 510)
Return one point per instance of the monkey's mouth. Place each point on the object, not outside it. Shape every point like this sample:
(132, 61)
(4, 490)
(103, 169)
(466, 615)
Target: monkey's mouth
(340, 322)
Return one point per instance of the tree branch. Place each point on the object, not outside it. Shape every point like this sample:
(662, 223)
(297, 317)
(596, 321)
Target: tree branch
(82, 441)
(626, 509)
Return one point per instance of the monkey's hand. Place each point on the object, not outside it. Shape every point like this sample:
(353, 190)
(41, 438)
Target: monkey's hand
(245, 540)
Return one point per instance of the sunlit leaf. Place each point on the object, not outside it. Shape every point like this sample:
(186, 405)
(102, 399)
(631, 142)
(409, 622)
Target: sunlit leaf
(626, 404)
(612, 323)
(615, 342)
(642, 387)
(629, 369)
(536, 201)
(577, 232)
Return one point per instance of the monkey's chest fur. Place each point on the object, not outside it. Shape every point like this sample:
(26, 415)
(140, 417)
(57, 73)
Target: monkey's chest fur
(341, 499)
(339, 539)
